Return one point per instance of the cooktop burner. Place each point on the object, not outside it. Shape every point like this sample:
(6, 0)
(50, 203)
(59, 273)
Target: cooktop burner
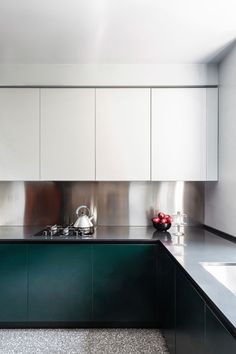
(66, 231)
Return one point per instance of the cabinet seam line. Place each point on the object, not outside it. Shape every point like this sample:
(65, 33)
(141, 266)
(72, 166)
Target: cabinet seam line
(95, 133)
(207, 114)
(92, 285)
(175, 294)
(204, 338)
(150, 114)
(218, 133)
(27, 295)
(40, 145)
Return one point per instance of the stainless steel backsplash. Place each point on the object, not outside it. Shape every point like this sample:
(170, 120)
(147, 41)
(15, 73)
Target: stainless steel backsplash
(112, 203)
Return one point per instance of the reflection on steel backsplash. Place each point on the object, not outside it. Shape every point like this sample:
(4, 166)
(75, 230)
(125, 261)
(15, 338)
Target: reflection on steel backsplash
(112, 203)
(30, 203)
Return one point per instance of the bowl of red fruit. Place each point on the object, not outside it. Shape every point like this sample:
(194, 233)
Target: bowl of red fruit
(162, 222)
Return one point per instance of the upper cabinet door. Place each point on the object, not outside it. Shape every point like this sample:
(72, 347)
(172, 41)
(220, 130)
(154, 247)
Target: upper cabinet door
(212, 134)
(184, 134)
(19, 134)
(68, 134)
(122, 134)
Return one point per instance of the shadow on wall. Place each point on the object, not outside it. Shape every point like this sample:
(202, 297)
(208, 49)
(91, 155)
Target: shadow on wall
(219, 54)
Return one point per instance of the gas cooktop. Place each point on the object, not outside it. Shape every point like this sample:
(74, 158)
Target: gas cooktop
(64, 231)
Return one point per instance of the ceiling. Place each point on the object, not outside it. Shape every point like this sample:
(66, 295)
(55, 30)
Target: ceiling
(115, 31)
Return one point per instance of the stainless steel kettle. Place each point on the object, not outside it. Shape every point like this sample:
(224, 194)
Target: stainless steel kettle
(83, 222)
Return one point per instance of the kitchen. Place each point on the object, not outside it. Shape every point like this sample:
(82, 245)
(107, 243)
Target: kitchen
(117, 177)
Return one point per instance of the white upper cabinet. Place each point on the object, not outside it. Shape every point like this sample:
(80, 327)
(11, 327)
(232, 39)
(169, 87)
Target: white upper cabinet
(212, 134)
(68, 134)
(109, 134)
(184, 134)
(19, 134)
(122, 134)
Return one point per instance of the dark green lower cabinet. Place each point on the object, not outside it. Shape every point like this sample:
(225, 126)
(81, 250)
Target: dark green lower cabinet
(133, 285)
(13, 280)
(218, 339)
(189, 317)
(60, 282)
(166, 297)
(124, 283)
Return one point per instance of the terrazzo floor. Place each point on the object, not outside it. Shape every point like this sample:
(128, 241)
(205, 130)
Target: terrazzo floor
(81, 341)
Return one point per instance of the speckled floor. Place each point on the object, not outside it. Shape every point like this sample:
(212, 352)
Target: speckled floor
(81, 341)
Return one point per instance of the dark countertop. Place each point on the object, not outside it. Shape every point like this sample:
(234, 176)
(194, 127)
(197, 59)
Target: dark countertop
(198, 245)
(102, 233)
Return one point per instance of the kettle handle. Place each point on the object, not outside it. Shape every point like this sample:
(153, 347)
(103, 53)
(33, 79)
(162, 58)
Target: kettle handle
(82, 207)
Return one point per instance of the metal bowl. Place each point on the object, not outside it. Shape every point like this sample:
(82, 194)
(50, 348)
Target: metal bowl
(161, 227)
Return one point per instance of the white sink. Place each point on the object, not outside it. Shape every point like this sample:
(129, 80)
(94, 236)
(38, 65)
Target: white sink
(225, 273)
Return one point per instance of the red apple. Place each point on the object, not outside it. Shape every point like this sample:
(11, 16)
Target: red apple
(168, 218)
(156, 219)
(164, 221)
(161, 215)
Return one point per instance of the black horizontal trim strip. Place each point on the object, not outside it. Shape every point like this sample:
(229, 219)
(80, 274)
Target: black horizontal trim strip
(82, 241)
(108, 86)
(220, 233)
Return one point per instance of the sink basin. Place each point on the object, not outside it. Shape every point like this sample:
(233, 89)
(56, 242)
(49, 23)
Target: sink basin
(224, 272)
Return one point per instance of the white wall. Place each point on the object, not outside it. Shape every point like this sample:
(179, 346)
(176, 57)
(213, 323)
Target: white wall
(220, 198)
(108, 74)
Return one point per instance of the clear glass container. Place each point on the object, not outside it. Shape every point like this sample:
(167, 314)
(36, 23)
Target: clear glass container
(179, 221)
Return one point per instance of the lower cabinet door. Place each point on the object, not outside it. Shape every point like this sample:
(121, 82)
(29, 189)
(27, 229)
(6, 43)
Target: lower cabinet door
(189, 317)
(218, 339)
(13, 280)
(166, 297)
(60, 282)
(124, 283)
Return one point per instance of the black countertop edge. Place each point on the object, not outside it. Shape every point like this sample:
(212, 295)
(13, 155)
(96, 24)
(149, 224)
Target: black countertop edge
(82, 241)
(220, 233)
(228, 325)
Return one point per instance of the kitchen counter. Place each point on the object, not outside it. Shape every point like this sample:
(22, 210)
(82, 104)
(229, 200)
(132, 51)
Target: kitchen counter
(197, 246)
(103, 233)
